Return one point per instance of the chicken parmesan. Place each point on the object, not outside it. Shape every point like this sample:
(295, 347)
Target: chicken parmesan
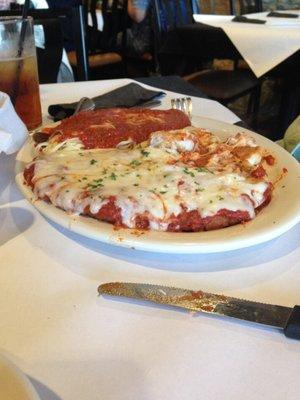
(110, 127)
(183, 180)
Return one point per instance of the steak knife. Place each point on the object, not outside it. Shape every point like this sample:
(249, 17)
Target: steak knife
(285, 318)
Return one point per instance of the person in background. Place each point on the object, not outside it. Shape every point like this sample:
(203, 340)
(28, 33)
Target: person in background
(5, 4)
(138, 32)
(137, 9)
(139, 36)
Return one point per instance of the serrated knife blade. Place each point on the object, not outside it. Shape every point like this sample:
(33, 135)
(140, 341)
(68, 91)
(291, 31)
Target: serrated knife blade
(286, 318)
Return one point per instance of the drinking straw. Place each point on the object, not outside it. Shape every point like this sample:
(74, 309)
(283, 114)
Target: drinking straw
(20, 50)
(23, 28)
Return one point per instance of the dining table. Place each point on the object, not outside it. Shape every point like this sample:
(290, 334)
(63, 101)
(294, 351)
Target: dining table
(74, 344)
(272, 50)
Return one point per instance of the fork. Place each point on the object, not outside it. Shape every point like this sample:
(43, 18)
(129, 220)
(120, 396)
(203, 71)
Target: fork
(84, 104)
(183, 104)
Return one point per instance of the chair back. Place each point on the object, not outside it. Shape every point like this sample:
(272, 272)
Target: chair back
(115, 22)
(49, 58)
(78, 17)
(240, 7)
(170, 14)
(167, 15)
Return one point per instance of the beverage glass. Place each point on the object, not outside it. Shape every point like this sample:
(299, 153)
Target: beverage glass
(19, 73)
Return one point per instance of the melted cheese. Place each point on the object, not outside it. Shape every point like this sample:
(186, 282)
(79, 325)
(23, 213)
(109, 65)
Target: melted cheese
(150, 179)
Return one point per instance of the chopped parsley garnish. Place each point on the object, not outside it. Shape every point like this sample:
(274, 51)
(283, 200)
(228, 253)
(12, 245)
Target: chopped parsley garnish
(84, 178)
(135, 163)
(210, 201)
(221, 198)
(145, 153)
(165, 176)
(152, 191)
(203, 169)
(188, 172)
(93, 161)
(97, 180)
(163, 192)
(199, 190)
(80, 154)
(113, 176)
(135, 184)
(94, 185)
(67, 191)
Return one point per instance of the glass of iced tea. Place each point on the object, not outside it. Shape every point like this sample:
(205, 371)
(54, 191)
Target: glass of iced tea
(18, 72)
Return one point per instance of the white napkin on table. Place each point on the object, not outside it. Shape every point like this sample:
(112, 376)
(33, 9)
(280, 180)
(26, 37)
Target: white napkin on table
(13, 131)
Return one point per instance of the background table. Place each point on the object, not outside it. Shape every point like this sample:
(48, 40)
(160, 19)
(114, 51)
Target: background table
(204, 42)
(262, 45)
(76, 345)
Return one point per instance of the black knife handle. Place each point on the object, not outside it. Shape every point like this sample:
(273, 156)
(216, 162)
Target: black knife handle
(292, 327)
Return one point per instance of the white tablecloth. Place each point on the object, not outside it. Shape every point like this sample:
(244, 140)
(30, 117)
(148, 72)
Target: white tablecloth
(76, 345)
(263, 46)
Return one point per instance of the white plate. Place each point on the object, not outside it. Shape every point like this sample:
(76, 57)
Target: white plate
(14, 385)
(279, 216)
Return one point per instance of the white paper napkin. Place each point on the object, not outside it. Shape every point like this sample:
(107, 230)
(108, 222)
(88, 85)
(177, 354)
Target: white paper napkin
(13, 131)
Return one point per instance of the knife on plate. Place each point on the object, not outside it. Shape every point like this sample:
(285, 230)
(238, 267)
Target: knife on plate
(285, 318)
